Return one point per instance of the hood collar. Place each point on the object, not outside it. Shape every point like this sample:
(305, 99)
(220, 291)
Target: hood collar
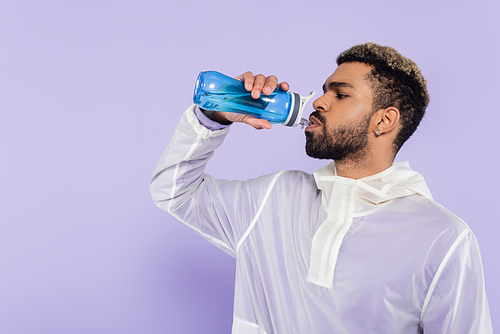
(399, 180)
(343, 198)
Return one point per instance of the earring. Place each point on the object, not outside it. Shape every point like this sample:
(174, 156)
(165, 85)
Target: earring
(377, 132)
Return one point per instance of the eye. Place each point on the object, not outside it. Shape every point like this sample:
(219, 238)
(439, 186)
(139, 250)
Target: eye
(340, 96)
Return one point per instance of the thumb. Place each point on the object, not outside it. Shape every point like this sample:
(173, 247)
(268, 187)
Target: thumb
(256, 123)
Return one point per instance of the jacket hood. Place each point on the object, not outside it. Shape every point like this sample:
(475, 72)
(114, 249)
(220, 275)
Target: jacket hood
(343, 198)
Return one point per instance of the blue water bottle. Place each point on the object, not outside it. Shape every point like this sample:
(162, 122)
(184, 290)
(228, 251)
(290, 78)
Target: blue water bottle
(215, 91)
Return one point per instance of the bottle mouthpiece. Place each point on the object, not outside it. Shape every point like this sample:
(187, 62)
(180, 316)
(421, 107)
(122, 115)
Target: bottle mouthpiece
(297, 108)
(304, 123)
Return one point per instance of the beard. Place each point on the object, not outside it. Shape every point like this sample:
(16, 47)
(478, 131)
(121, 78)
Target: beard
(343, 143)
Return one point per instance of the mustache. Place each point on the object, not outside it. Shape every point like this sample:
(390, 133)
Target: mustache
(316, 114)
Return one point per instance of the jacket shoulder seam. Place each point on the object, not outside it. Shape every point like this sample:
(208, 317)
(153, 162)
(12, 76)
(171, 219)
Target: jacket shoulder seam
(259, 211)
(440, 269)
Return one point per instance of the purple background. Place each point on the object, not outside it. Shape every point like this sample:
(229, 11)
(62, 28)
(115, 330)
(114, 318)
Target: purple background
(90, 92)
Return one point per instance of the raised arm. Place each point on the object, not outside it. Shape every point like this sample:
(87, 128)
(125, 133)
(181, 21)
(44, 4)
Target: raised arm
(220, 210)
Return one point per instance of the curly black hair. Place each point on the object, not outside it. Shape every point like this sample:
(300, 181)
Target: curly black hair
(396, 81)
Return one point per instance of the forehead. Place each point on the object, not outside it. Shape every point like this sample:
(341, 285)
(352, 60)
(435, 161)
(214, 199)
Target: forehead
(354, 74)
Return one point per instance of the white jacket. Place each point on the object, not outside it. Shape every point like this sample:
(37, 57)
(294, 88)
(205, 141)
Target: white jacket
(326, 254)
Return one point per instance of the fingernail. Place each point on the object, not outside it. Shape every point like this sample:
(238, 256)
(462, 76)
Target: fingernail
(267, 90)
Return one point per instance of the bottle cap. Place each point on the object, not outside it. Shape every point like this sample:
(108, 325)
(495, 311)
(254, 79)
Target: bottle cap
(296, 108)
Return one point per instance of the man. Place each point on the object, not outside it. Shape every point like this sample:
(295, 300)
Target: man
(359, 246)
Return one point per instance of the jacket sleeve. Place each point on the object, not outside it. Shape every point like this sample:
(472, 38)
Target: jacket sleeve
(219, 210)
(456, 301)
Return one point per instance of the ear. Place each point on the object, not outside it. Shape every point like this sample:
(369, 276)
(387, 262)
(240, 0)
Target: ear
(386, 120)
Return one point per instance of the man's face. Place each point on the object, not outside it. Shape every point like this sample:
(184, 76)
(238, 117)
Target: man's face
(339, 128)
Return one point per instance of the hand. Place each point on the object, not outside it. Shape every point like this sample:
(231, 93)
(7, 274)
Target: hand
(256, 84)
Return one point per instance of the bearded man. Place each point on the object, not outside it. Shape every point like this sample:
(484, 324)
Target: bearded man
(359, 246)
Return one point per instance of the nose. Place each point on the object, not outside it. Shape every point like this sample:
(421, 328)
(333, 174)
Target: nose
(321, 104)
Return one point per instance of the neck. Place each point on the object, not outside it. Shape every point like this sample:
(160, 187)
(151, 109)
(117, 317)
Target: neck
(360, 168)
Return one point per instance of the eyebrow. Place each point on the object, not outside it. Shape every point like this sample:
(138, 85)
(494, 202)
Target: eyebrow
(337, 84)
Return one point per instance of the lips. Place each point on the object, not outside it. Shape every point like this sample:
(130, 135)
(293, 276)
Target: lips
(314, 123)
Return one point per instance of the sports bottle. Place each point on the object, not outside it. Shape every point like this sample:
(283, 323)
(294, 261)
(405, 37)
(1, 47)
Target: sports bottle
(217, 92)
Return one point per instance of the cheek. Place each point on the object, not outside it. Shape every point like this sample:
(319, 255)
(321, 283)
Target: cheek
(329, 130)
(358, 112)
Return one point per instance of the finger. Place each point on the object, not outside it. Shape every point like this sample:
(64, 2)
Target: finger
(285, 86)
(270, 85)
(248, 79)
(258, 85)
